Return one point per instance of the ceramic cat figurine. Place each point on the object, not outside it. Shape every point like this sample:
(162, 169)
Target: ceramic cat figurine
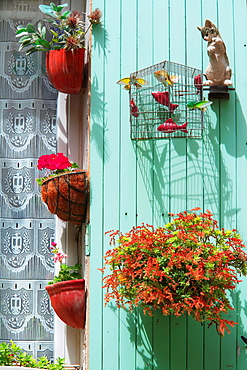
(218, 72)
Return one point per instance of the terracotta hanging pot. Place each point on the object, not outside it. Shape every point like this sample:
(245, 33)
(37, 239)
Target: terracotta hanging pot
(65, 69)
(66, 196)
(69, 301)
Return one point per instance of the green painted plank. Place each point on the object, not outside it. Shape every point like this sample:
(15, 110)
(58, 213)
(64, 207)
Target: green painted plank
(160, 30)
(194, 146)
(96, 194)
(144, 149)
(144, 154)
(193, 36)
(177, 178)
(194, 345)
(212, 202)
(144, 179)
(145, 41)
(161, 157)
(211, 161)
(96, 303)
(161, 341)
(227, 167)
(211, 180)
(195, 177)
(178, 343)
(227, 30)
(177, 31)
(212, 349)
(144, 341)
(209, 11)
(127, 324)
(240, 82)
(112, 171)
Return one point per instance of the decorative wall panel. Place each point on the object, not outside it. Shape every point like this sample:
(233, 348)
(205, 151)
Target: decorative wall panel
(27, 130)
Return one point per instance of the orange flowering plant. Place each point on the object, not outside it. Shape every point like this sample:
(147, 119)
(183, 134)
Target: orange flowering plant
(186, 267)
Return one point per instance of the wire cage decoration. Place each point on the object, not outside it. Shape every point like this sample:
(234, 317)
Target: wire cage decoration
(162, 98)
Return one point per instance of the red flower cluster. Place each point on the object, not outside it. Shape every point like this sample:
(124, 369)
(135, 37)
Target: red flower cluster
(54, 162)
(183, 268)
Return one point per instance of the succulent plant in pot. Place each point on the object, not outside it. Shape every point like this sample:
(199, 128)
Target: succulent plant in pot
(63, 39)
(187, 267)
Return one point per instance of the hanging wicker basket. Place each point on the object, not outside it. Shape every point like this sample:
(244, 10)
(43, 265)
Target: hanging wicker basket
(66, 196)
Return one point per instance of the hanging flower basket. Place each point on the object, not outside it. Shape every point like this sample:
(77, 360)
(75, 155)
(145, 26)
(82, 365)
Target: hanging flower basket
(65, 69)
(66, 196)
(69, 301)
(186, 267)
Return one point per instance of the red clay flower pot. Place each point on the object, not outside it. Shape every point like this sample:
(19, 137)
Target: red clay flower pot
(65, 69)
(69, 301)
(66, 196)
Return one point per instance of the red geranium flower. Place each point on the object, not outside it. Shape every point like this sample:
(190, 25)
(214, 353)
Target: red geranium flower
(56, 163)
(53, 162)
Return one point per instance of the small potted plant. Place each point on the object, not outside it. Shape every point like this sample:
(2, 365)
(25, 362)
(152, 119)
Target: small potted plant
(67, 292)
(64, 44)
(183, 268)
(65, 188)
(13, 355)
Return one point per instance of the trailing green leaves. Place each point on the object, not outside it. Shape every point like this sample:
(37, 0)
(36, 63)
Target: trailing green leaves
(13, 355)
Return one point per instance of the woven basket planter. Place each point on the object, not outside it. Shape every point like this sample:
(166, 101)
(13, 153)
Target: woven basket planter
(66, 196)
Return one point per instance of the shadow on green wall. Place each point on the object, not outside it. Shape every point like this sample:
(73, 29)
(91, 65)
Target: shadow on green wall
(196, 172)
(181, 343)
(100, 39)
(99, 122)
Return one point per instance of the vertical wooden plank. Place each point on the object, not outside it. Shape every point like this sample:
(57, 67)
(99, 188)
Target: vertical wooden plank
(161, 185)
(211, 180)
(178, 342)
(161, 158)
(144, 184)
(161, 341)
(227, 132)
(178, 169)
(160, 31)
(127, 323)
(97, 154)
(240, 53)
(212, 202)
(111, 171)
(195, 179)
(144, 149)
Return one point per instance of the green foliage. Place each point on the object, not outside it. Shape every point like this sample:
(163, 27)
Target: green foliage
(65, 30)
(13, 355)
(56, 173)
(62, 29)
(67, 273)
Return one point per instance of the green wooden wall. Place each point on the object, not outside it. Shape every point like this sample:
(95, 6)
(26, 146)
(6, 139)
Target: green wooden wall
(141, 181)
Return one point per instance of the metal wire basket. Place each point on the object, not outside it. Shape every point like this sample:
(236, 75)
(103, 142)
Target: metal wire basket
(164, 96)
